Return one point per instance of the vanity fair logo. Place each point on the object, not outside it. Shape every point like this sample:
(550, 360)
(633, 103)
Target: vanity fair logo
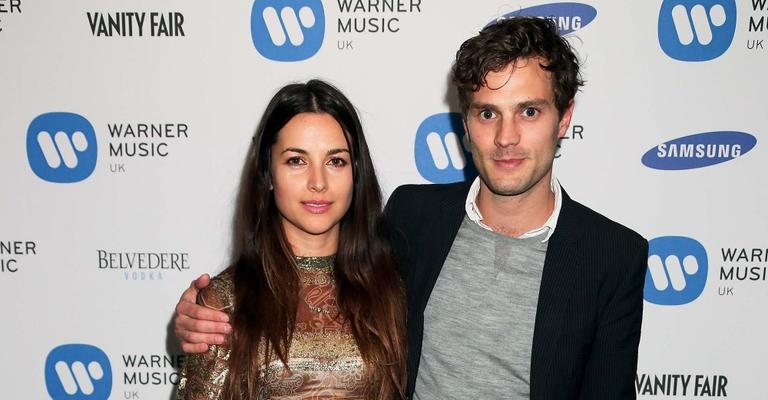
(156, 24)
(681, 385)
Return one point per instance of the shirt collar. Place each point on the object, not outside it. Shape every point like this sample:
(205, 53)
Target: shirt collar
(473, 212)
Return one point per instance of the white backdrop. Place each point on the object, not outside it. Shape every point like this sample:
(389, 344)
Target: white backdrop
(207, 69)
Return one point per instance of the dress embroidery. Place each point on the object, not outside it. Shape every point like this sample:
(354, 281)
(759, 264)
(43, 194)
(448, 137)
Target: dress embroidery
(323, 361)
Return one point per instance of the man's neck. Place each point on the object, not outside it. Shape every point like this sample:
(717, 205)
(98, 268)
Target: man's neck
(518, 214)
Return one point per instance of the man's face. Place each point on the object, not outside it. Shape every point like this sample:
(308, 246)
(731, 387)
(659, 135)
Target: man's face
(514, 127)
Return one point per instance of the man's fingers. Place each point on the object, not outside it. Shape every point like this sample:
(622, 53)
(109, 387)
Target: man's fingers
(184, 323)
(193, 348)
(201, 281)
(190, 294)
(197, 312)
(197, 326)
(195, 342)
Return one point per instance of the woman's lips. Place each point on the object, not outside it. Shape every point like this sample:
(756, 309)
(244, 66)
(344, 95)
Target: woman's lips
(316, 206)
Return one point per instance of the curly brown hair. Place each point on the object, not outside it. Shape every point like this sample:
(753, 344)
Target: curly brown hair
(509, 40)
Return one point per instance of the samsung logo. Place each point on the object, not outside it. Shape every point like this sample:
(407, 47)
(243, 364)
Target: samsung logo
(699, 150)
(569, 17)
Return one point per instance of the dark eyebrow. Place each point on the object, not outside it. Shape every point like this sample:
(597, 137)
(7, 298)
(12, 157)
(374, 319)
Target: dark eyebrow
(294, 150)
(302, 151)
(337, 151)
(533, 103)
(520, 106)
(483, 106)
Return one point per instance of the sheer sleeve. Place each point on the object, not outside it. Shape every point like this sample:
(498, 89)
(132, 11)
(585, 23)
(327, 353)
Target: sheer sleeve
(204, 374)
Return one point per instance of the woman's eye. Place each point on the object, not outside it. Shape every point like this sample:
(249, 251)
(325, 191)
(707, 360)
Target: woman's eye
(337, 162)
(294, 161)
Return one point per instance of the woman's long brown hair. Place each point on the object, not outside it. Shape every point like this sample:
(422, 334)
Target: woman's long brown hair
(370, 294)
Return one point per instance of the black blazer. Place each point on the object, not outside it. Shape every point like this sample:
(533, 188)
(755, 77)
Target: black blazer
(587, 326)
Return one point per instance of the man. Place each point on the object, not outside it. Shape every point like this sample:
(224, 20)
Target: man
(514, 290)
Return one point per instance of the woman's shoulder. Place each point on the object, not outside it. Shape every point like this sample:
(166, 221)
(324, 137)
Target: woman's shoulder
(220, 293)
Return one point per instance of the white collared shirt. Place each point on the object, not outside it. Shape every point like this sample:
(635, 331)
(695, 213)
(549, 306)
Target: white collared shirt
(473, 212)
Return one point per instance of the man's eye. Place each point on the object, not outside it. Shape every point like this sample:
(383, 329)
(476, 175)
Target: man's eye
(530, 112)
(486, 114)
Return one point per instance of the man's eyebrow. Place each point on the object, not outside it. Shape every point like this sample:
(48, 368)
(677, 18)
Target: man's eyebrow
(533, 103)
(519, 106)
(483, 106)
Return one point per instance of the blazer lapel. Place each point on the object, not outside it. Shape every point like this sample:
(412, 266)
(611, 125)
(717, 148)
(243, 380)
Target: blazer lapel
(560, 268)
(449, 216)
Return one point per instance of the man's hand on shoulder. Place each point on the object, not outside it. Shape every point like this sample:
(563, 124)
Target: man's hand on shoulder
(197, 326)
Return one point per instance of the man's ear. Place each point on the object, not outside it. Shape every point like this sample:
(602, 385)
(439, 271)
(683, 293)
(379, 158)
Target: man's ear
(466, 140)
(565, 120)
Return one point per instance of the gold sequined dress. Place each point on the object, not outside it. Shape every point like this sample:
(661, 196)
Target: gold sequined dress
(323, 360)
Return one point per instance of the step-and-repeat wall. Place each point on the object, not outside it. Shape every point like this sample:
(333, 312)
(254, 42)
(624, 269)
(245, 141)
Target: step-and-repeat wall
(124, 127)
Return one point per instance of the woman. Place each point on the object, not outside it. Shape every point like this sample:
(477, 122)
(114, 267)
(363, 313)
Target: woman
(315, 301)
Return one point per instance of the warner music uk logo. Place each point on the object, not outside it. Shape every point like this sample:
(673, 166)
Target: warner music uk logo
(699, 150)
(61, 147)
(78, 372)
(568, 16)
(287, 30)
(696, 30)
(12, 252)
(440, 156)
(677, 270)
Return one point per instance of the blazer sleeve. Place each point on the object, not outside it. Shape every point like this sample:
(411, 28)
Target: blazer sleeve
(612, 365)
(393, 220)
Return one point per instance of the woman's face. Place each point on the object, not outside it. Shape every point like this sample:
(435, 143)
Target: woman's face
(312, 181)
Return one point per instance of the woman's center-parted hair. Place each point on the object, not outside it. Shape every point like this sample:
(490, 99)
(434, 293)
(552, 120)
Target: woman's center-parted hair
(370, 295)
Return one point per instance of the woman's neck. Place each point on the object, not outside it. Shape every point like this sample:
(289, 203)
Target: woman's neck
(305, 244)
